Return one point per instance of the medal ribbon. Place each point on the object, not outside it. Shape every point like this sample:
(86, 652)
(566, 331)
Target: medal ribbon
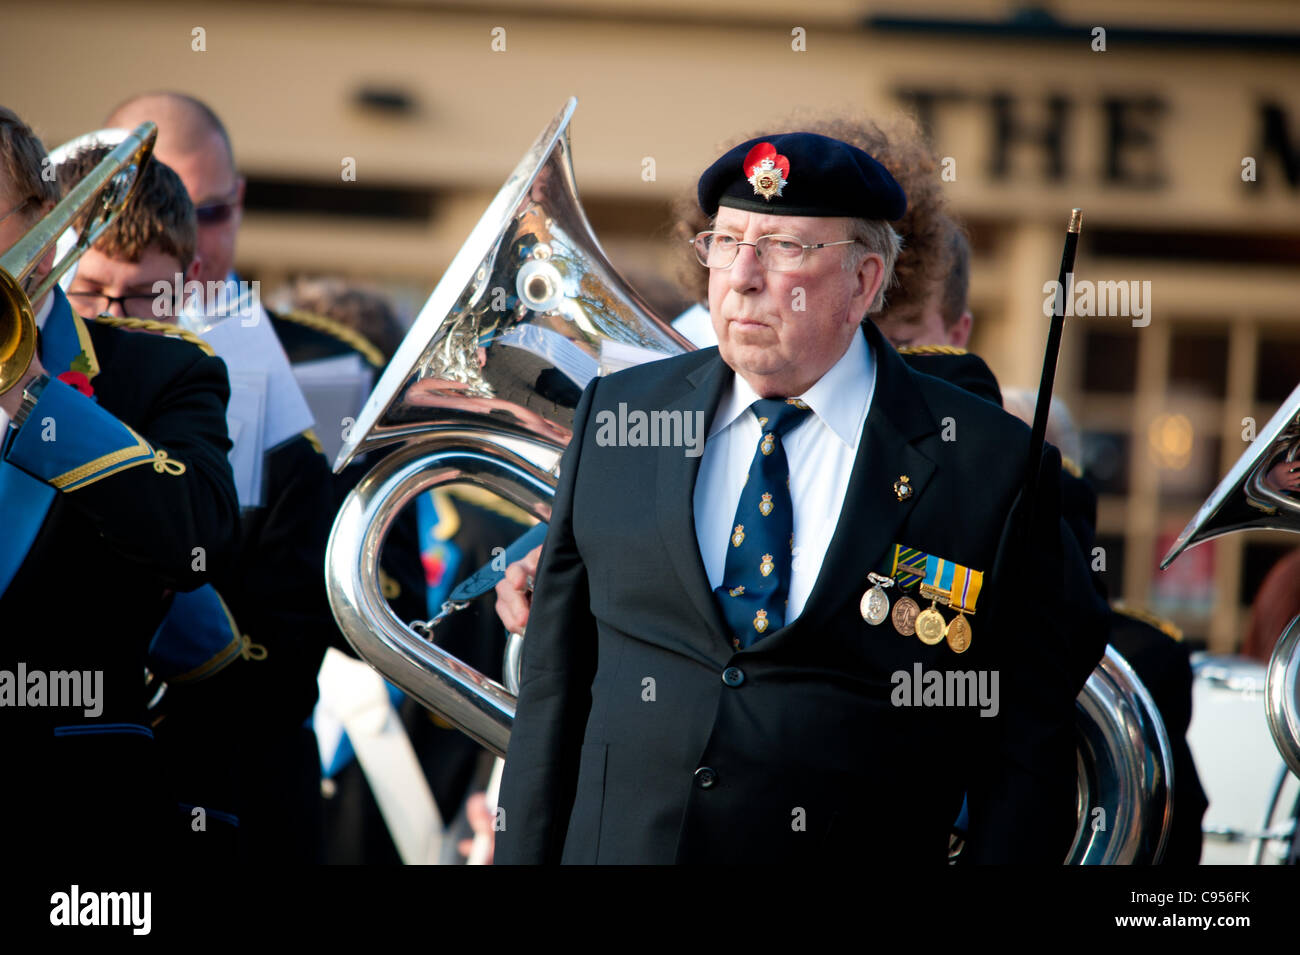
(938, 576)
(908, 566)
(966, 586)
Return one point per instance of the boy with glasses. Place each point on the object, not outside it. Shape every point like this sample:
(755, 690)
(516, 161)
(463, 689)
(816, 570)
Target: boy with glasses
(115, 493)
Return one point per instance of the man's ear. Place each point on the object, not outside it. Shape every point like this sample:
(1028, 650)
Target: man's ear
(959, 332)
(192, 273)
(870, 275)
(240, 183)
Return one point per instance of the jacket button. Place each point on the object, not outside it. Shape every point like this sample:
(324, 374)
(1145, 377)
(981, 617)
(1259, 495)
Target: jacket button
(706, 777)
(733, 676)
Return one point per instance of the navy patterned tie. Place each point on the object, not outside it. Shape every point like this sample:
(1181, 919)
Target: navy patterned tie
(756, 579)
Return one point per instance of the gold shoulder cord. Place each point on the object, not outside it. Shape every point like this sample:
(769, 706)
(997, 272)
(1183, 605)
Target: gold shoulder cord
(1167, 627)
(336, 329)
(149, 325)
(931, 350)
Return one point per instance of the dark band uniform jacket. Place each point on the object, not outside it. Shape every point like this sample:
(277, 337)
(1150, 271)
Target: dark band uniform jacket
(114, 493)
(1157, 657)
(790, 750)
(240, 743)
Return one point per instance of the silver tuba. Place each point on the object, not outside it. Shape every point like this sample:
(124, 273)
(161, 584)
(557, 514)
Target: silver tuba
(482, 391)
(1254, 495)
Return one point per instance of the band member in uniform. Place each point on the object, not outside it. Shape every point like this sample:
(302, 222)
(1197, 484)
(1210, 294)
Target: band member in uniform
(278, 594)
(1152, 646)
(115, 493)
(721, 648)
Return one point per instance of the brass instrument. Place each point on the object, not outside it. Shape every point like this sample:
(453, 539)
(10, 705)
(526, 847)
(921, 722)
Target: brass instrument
(91, 206)
(1256, 493)
(482, 391)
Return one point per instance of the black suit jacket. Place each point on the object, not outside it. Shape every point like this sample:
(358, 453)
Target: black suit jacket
(96, 583)
(809, 758)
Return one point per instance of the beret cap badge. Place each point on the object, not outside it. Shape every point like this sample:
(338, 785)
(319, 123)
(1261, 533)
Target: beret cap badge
(767, 170)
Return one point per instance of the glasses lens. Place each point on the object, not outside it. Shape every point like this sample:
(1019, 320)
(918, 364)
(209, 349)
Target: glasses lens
(214, 213)
(716, 250)
(780, 253)
(89, 303)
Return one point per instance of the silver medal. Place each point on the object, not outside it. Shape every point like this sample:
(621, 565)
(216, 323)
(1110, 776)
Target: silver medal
(874, 606)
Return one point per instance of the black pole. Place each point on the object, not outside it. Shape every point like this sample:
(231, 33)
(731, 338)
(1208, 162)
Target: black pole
(1044, 404)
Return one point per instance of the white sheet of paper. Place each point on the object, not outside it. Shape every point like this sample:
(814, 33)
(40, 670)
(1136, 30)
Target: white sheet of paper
(248, 344)
(245, 416)
(336, 389)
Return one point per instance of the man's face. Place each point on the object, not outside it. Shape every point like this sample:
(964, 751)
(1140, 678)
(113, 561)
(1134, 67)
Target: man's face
(15, 219)
(210, 180)
(926, 329)
(17, 222)
(783, 330)
(98, 275)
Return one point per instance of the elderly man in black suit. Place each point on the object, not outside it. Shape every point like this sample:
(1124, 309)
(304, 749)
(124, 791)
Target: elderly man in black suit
(730, 657)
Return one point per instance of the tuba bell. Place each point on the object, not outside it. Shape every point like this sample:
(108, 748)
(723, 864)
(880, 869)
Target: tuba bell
(1254, 495)
(482, 391)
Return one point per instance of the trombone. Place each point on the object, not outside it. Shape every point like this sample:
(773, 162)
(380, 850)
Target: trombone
(96, 201)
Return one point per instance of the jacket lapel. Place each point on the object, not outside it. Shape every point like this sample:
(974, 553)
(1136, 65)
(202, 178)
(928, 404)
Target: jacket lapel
(25, 500)
(676, 495)
(872, 512)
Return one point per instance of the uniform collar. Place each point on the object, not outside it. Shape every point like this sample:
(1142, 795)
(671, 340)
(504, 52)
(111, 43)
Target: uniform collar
(65, 340)
(840, 398)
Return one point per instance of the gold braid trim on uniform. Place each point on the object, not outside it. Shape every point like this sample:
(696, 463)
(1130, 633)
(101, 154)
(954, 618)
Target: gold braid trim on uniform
(489, 501)
(336, 329)
(310, 435)
(390, 588)
(132, 455)
(1167, 627)
(227, 655)
(1071, 467)
(932, 350)
(149, 325)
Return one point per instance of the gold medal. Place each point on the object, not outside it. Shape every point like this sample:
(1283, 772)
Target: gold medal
(874, 605)
(930, 626)
(959, 634)
(905, 614)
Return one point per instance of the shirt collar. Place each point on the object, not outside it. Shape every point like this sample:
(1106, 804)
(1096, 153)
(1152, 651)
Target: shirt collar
(44, 311)
(840, 397)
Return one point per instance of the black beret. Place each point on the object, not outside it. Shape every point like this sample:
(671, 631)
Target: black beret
(801, 174)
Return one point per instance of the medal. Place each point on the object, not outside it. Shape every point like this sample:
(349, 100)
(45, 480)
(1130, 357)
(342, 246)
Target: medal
(958, 634)
(874, 606)
(929, 626)
(966, 587)
(905, 614)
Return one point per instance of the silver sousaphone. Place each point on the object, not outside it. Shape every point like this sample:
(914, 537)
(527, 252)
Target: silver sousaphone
(482, 392)
(1260, 492)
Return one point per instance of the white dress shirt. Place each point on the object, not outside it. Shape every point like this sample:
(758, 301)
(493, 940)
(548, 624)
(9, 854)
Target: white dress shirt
(820, 450)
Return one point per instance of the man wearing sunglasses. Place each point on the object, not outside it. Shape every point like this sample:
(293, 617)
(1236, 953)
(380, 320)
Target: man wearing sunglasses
(278, 594)
(707, 676)
(115, 492)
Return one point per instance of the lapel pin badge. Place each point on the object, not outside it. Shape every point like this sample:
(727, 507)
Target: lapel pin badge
(903, 487)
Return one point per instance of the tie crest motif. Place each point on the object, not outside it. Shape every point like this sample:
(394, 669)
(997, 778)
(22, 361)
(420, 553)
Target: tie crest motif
(756, 579)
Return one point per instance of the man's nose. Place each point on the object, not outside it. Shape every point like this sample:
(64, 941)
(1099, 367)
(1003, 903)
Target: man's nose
(747, 272)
